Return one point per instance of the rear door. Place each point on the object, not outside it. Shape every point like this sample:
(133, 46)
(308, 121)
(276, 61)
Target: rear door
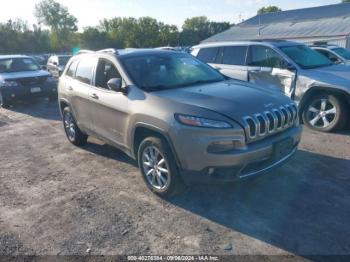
(265, 68)
(110, 108)
(231, 62)
(78, 91)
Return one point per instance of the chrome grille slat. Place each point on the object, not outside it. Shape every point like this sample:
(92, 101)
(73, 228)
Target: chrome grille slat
(269, 122)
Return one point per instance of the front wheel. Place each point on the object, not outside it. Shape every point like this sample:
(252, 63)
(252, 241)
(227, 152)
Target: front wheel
(74, 134)
(158, 167)
(325, 113)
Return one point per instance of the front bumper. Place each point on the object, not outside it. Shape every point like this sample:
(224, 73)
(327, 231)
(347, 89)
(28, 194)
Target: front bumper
(47, 89)
(197, 164)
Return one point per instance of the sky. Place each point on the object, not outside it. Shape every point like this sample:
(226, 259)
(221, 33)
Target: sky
(90, 12)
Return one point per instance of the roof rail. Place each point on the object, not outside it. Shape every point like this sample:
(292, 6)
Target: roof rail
(109, 50)
(85, 52)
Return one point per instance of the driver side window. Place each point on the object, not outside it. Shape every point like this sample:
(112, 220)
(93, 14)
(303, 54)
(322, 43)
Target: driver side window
(264, 57)
(105, 71)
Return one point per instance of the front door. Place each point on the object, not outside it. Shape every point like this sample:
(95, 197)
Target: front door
(265, 68)
(110, 108)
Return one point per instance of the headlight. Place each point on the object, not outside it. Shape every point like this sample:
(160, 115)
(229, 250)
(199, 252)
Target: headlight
(201, 122)
(8, 83)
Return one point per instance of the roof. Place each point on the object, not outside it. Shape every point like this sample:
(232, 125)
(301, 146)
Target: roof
(329, 20)
(277, 43)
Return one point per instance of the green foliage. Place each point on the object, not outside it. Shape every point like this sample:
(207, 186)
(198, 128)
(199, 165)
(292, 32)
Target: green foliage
(269, 9)
(345, 1)
(119, 32)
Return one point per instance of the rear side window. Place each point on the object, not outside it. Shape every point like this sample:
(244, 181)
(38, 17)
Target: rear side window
(208, 55)
(72, 68)
(264, 57)
(85, 70)
(234, 55)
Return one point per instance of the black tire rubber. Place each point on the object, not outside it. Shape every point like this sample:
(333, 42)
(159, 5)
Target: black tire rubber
(176, 185)
(341, 118)
(80, 138)
(4, 103)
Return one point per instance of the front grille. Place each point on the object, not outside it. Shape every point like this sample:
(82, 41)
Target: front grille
(270, 122)
(32, 81)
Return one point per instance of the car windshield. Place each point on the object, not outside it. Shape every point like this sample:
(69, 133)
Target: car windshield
(63, 60)
(10, 65)
(305, 57)
(342, 52)
(161, 71)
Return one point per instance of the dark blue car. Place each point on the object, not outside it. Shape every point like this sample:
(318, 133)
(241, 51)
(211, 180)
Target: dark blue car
(22, 78)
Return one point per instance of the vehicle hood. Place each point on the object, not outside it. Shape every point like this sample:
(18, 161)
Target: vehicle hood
(25, 74)
(234, 99)
(335, 75)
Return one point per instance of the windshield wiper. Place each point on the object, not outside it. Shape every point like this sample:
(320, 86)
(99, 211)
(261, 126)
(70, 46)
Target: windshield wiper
(199, 82)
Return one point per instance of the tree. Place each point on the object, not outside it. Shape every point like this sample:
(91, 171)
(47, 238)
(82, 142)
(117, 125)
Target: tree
(269, 9)
(63, 25)
(345, 1)
(199, 28)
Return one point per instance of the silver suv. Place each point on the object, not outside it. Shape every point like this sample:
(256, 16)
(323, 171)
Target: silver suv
(337, 54)
(180, 119)
(321, 88)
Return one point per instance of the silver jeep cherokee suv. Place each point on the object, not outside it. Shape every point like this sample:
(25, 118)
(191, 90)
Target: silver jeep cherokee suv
(321, 88)
(182, 120)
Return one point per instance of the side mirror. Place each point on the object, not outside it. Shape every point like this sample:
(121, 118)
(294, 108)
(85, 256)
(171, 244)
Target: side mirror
(55, 63)
(115, 84)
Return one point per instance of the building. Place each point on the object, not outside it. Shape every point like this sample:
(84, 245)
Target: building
(330, 23)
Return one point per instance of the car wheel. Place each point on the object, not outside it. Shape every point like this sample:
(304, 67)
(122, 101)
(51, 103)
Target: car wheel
(325, 112)
(158, 167)
(4, 103)
(74, 134)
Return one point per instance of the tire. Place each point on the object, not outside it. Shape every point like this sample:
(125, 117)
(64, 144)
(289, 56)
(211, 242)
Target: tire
(4, 103)
(325, 113)
(73, 133)
(164, 184)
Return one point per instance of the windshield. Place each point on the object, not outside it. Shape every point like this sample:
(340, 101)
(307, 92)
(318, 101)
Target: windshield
(63, 60)
(305, 57)
(10, 65)
(168, 70)
(342, 52)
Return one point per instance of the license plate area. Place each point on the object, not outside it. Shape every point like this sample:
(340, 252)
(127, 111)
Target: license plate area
(35, 90)
(283, 148)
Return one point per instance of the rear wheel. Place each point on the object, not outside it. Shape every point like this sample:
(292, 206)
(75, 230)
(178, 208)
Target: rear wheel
(4, 102)
(158, 167)
(74, 134)
(325, 112)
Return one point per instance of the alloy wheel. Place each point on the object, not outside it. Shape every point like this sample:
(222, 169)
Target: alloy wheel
(321, 113)
(69, 126)
(155, 168)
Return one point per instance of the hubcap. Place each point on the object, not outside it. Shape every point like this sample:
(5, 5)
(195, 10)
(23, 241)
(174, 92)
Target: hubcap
(155, 168)
(69, 126)
(321, 113)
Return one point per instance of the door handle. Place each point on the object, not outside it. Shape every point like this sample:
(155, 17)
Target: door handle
(94, 96)
(218, 68)
(70, 88)
(255, 70)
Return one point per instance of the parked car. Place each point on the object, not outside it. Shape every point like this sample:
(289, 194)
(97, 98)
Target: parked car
(321, 88)
(183, 121)
(56, 64)
(337, 54)
(22, 78)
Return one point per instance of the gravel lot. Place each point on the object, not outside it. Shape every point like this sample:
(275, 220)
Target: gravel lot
(59, 199)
